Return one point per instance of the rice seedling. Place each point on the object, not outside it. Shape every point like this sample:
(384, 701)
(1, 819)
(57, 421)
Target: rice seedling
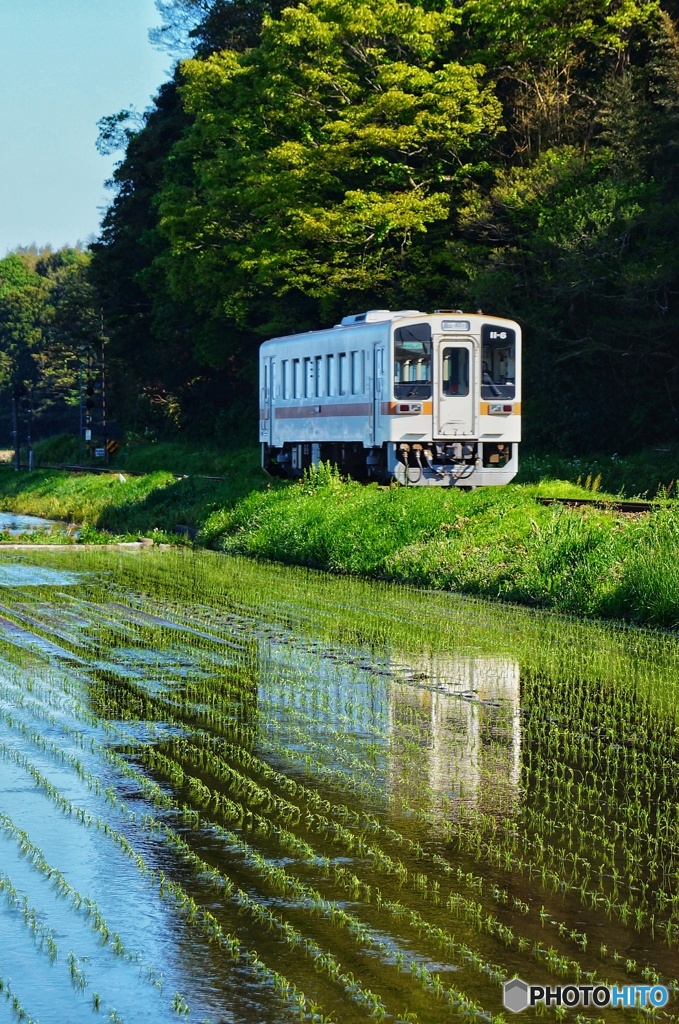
(401, 826)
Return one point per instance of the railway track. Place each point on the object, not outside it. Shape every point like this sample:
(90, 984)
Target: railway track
(114, 471)
(630, 507)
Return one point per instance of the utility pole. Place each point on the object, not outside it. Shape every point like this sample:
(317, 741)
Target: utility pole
(81, 425)
(104, 428)
(29, 425)
(15, 428)
(89, 402)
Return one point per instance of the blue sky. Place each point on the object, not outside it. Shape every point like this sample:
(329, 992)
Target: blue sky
(64, 64)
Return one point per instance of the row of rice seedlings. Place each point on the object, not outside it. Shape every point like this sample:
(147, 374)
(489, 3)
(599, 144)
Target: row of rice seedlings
(322, 960)
(472, 912)
(632, 966)
(646, 858)
(475, 841)
(287, 884)
(315, 897)
(44, 936)
(81, 904)
(15, 1003)
(210, 927)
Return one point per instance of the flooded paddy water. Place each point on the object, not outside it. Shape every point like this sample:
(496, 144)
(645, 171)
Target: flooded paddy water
(15, 524)
(235, 792)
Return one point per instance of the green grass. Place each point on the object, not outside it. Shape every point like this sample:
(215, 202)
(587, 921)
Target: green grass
(149, 456)
(497, 542)
(125, 503)
(644, 473)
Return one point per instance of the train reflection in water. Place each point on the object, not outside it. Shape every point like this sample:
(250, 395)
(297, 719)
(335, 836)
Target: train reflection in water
(456, 735)
(436, 734)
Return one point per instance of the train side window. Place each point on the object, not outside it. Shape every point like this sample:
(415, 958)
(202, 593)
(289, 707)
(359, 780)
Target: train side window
(357, 373)
(296, 378)
(285, 378)
(455, 372)
(343, 374)
(330, 375)
(308, 377)
(319, 376)
(412, 361)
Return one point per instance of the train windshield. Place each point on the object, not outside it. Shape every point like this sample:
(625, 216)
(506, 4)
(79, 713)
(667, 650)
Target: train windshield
(498, 362)
(412, 361)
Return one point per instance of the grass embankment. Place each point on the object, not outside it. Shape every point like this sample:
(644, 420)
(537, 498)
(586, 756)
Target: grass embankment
(153, 503)
(497, 543)
(144, 456)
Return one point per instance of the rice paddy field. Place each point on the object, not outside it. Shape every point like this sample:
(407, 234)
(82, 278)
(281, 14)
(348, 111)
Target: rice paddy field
(236, 792)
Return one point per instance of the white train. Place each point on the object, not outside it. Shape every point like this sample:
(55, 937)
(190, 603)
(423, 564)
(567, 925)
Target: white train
(407, 396)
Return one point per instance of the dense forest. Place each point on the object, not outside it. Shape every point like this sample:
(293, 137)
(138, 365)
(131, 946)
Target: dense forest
(314, 160)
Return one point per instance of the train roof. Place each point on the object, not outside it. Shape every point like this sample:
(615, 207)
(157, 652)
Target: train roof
(375, 317)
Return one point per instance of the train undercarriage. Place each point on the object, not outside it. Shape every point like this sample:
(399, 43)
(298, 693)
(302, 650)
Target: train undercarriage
(462, 464)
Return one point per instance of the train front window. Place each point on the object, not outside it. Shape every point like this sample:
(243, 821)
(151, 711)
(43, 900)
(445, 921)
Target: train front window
(455, 372)
(412, 361)
(498, 362)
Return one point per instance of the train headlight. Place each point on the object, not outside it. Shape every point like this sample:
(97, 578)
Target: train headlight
(408, 407)
(498, 409)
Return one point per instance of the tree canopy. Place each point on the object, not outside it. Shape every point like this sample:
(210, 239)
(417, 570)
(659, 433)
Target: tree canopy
(319, 158)
(315, 161)
(48, 316)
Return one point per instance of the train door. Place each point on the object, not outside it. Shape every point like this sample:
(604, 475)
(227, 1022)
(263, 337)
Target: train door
(378, 395)
(266, 399)
(454, 405)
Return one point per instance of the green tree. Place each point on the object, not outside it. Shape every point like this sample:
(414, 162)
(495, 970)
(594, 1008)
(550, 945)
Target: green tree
(150, 350)
(580, 244)
(23, 303)
(48, 314)
(315, 164)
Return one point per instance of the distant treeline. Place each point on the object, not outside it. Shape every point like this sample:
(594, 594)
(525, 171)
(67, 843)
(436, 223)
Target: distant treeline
(310, 161)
